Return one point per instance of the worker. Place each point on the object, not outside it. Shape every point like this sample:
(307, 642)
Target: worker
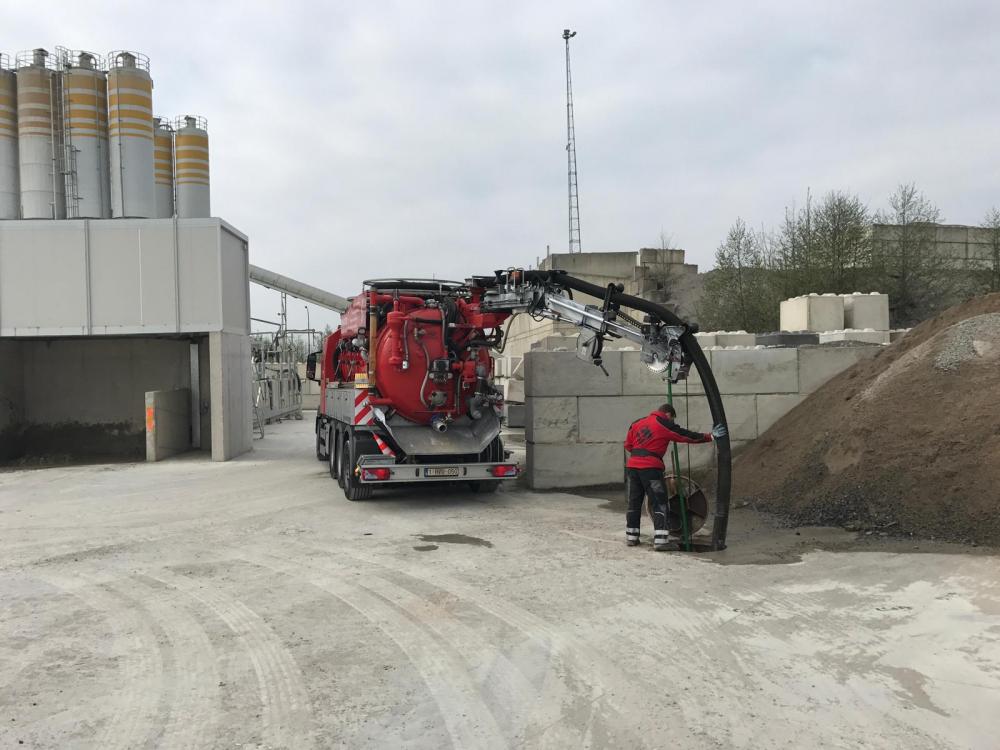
(647, 441)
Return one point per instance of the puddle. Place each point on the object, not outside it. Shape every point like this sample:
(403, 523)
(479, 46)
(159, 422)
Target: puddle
(426, 548)
(475, 541)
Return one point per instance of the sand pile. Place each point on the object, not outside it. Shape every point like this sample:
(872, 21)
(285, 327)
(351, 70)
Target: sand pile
(908, 442)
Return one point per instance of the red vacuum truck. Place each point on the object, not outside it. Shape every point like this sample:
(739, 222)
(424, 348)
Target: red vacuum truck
(407, 390)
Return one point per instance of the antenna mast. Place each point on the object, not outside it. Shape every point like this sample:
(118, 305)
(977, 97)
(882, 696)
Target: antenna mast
(574, 195)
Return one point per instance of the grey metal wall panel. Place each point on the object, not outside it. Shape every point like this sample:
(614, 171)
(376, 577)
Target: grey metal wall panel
(43, 278)
(124, 276)
(235, 282)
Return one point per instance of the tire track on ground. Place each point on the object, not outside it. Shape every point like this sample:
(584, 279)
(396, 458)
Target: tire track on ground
(575, 659)
(135, 709)
(285, 710)
(468, 720)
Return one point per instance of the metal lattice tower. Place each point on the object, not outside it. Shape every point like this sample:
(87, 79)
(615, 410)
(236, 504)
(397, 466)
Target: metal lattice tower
(574, 194)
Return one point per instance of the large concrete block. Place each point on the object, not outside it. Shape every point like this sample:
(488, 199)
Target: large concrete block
(813, 312)
(867, 337)
(771, 408)
(607, 418)
(513, 390)
(168, 423)
(515, 414)
(820, 363)
(574, 464)
(639, 380)
(705, 340)
(563, 374)
(741, 415)
(787, 338)
(735, 338)
(551, 419)
(866, 311)
(756, 370)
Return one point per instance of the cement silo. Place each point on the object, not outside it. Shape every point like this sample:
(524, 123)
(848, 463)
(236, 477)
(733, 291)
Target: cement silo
(191, 167)
(39, 135)
(85, 135)
(130, 124)
(163, 167)
(10, 191)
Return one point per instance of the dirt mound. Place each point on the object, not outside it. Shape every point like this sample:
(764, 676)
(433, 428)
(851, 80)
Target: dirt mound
(908, 441)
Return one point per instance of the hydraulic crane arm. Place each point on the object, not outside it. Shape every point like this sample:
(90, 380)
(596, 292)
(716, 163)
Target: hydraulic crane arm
(666, 342)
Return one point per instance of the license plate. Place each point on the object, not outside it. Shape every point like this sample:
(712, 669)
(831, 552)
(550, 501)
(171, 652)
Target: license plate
(450, 471)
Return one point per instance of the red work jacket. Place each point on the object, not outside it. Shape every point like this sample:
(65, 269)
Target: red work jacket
(648, 439)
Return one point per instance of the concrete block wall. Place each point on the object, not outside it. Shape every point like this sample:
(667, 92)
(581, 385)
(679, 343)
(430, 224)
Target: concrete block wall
(168, 423)
(576, 417)
(812, 312)
(866, 311)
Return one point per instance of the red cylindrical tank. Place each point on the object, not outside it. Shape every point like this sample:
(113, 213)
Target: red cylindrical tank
(406, 348)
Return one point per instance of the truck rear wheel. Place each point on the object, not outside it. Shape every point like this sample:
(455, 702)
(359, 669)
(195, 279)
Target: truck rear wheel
(337, 440)
(353, 489)
(322, 451)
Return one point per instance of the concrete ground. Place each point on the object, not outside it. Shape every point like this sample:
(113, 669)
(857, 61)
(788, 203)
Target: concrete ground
(248, 604)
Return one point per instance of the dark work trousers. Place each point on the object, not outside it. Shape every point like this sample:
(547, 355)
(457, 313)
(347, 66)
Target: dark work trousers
(642, 483)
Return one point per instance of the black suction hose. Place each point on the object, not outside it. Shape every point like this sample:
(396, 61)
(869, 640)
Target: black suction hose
(691, 347)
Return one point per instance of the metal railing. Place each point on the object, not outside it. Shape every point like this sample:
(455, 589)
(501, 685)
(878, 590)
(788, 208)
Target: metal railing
(36, 58)
(190, 121)
(125, 59)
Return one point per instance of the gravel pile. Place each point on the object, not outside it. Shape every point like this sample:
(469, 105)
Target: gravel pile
(908, 442)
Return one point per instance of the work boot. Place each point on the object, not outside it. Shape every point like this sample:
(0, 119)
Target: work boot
(631, 537)
(663, 543)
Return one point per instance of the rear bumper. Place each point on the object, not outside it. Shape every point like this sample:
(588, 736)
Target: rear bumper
(457, 472)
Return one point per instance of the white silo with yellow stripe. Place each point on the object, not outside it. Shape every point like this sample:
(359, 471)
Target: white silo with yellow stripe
(163, 167)
(39, 137)
(85, 135)
(191, 167)
(10, 191)
(130, 124)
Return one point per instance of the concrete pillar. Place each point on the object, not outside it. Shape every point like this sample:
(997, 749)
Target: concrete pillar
(232, 411)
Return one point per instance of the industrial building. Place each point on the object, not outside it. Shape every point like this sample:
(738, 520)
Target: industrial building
(124, 307)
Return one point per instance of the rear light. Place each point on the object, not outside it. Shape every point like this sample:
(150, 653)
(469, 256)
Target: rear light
(504, 470)
(379, 474)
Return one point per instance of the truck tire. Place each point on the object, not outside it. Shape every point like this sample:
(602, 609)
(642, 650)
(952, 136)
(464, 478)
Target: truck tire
(332, 454)
(337, 441)
(322, 455)
(353, 489)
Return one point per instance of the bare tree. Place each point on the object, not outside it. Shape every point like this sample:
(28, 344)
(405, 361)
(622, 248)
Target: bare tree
(991, 263)
(906, 263)
(738, 293)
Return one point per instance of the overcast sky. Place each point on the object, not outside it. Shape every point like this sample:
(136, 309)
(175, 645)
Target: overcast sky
(356, 140)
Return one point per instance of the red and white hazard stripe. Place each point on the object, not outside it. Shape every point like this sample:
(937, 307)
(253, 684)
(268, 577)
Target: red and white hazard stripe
(365, 415)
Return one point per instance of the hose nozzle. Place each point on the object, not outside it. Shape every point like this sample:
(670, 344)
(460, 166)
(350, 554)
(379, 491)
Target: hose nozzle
(439, 423)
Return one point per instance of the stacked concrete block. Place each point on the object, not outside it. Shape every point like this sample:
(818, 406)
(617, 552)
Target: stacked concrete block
(867, 336)
(772, 407)
(577, 418)
(756, 370)
(787, 338)
(818, 364)
(735, 338)
(866, 311)
(705, 340)
(813, 312)
(514, 415)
